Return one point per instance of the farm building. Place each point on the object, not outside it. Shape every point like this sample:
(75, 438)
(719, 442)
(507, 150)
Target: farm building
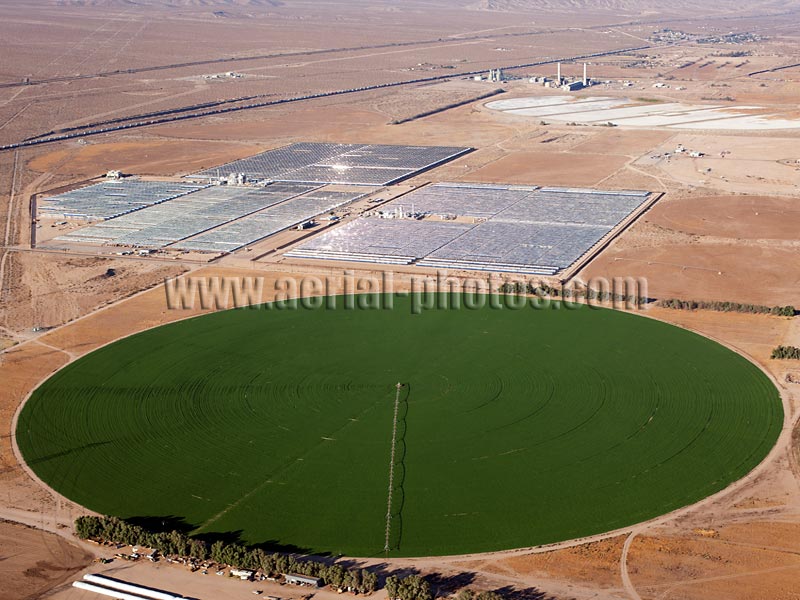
(301, 579)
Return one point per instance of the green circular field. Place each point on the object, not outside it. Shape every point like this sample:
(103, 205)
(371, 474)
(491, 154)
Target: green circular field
(515, 427)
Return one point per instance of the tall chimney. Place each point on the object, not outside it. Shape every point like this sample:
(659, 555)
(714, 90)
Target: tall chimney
(585, 79)
(558, 77)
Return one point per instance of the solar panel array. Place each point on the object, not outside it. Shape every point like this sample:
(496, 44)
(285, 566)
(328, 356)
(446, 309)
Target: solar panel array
(478, 202)
(169, 222)
(532, 248)
(354, 164)
(537, 231)
(110, 199)
(391, 241)
(259, 225)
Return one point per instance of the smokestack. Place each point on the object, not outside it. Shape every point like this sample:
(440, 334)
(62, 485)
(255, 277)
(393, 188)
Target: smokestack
(558, 77)
(585, 79)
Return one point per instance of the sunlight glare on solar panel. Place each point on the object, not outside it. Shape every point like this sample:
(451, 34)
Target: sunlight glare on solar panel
(522, 229)
(354, 164)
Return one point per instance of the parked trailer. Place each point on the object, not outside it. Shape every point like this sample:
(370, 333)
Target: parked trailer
(137, 591)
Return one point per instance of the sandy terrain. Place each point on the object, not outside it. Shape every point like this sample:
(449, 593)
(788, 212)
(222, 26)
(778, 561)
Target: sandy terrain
(548, 169)
(146, 157)
(710, 563)
(35, 562)
(725, 272)
(74, 286)
(765, 217)
(623, 142)
(709, 243)
(711, 248)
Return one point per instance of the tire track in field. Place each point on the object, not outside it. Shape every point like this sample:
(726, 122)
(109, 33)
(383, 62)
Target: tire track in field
(291, 461)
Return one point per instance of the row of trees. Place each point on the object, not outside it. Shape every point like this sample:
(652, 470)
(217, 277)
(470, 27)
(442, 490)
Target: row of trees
(544, 290)
(758, 309)
(175, 543)
(791, 352)
(414, 587)
(468, 594)
(178, 544)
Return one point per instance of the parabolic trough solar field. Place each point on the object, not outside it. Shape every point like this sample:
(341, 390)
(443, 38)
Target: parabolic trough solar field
(516, 427)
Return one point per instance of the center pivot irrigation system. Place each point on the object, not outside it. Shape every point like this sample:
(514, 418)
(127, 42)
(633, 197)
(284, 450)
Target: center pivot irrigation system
(398, 387)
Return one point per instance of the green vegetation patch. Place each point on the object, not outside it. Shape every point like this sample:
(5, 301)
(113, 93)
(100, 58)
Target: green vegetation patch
(514, 427)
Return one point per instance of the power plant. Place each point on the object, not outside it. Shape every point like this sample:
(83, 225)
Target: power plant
(566, 84)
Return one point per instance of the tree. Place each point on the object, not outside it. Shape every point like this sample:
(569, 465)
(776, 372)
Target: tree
(414, 587)
(198, 549)
(335, 576)
(786, 352)
(369, 582)
(349, 581)
(175, 542)
(218, 551)
(88, 527)
(392, 586)
(466, 594)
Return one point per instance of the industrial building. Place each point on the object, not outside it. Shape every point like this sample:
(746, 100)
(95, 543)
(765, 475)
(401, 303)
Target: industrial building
(564, 83)
(496, 75)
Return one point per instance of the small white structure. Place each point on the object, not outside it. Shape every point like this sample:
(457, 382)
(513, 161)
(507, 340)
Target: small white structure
(243, 574)
(114, 174)
(572, 86)
(236, 179)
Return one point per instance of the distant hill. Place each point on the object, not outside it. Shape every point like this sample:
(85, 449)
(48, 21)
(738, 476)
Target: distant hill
(637, 7)
(211, 4)
(626, 8)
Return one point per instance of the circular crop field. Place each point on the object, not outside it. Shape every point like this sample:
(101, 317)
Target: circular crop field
(514, 427)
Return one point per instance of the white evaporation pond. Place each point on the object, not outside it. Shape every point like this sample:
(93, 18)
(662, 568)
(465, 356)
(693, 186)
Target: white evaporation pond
(627, 112)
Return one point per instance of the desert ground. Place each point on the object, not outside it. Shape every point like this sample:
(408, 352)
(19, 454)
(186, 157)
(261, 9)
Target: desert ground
(726, 228)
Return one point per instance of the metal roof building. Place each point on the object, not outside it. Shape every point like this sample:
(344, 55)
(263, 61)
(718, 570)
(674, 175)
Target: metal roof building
(302, 579)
